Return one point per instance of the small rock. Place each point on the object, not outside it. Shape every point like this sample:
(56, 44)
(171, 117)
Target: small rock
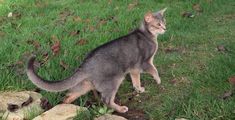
(181, 119)
(61, 112)
(20, 105)
(16, 98)
(110, 117)
(10, 14)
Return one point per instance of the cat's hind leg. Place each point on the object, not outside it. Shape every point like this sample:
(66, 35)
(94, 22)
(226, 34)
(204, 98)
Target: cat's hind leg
(109, 89)
(108, 97)
(77, 91)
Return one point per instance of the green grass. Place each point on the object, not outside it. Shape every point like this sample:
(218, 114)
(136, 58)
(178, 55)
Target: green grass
(200, 70)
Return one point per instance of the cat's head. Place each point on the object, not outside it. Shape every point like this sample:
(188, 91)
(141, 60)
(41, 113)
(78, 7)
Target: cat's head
(155, 22)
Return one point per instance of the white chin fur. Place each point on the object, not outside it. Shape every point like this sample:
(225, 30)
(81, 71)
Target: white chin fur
(161, 32)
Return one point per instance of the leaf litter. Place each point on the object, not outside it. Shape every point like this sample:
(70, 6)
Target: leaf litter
(56, 46)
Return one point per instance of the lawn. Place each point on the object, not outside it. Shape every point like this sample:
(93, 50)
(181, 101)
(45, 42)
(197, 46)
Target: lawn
(196, 55)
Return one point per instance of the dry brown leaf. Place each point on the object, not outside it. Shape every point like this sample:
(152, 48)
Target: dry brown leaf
(35, 43)
(45, 104)
(197, 7)
(2, 34)
(173, 81)
(221, 48)
(87, 20)
(187, 14)
(91, 28)
(102, 22)
(232, 80)
(45, 58)
(81, 42)
(132, 5)
(73, 33)
(64, 65)
(227, 94)
(40, 3)
(56, 46)
(77, 19)
(65, 14)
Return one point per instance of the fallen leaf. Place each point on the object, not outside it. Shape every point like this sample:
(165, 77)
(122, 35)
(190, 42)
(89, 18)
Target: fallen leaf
(64, 65)
(16, 15)
(87, 20)
(2, 34)
(187, 14)
(227, 94)
(40, 3)
(221, 48)
(102, 22)
(35, 43)
(81, 42)
(45, 57)
(45, 104)
(197, 7)
(232, 80)
(77, 19)
(91, 28)
(173, 81)
(26, 103)
(56, 46)
(73, 33)
(65, 14)
(132, 5)
(171, 49)
(12, 107)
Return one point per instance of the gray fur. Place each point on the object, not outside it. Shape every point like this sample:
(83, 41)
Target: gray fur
(106, 66)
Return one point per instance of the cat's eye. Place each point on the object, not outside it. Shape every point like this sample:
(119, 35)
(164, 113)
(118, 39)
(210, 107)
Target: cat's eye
(159, 24)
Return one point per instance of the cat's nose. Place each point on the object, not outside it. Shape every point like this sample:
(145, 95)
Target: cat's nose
(163, 27)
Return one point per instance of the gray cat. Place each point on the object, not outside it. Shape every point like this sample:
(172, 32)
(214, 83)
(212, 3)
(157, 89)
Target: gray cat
(105, 67)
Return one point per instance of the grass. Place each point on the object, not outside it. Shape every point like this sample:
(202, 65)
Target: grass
(187, 51)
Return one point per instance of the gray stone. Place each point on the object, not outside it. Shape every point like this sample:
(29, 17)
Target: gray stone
(110, 117)
(28, 111)
(61, 112)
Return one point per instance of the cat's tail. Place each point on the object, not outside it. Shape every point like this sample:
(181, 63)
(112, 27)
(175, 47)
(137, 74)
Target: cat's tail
(53, 86)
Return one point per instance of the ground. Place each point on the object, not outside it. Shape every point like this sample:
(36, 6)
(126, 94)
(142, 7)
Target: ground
(195, 58)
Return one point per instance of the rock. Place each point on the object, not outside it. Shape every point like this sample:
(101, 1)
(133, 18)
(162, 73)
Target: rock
(110, 117)
(61, 112)
(180, 119)
(20, 105)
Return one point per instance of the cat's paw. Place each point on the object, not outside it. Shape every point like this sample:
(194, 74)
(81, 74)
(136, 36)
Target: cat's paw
(123, 109)
(158, 80)
(139, 89)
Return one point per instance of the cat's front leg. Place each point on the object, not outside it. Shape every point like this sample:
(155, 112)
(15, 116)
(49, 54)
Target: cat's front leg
(135, 78)
(152, 70)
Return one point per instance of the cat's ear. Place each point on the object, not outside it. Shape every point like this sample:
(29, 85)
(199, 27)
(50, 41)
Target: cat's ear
(161, 12)
(148, 17)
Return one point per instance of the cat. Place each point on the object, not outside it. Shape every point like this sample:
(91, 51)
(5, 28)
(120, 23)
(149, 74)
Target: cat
(105, 67)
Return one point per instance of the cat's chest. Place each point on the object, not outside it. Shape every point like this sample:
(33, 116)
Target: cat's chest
(154, 48)
(153, 51)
